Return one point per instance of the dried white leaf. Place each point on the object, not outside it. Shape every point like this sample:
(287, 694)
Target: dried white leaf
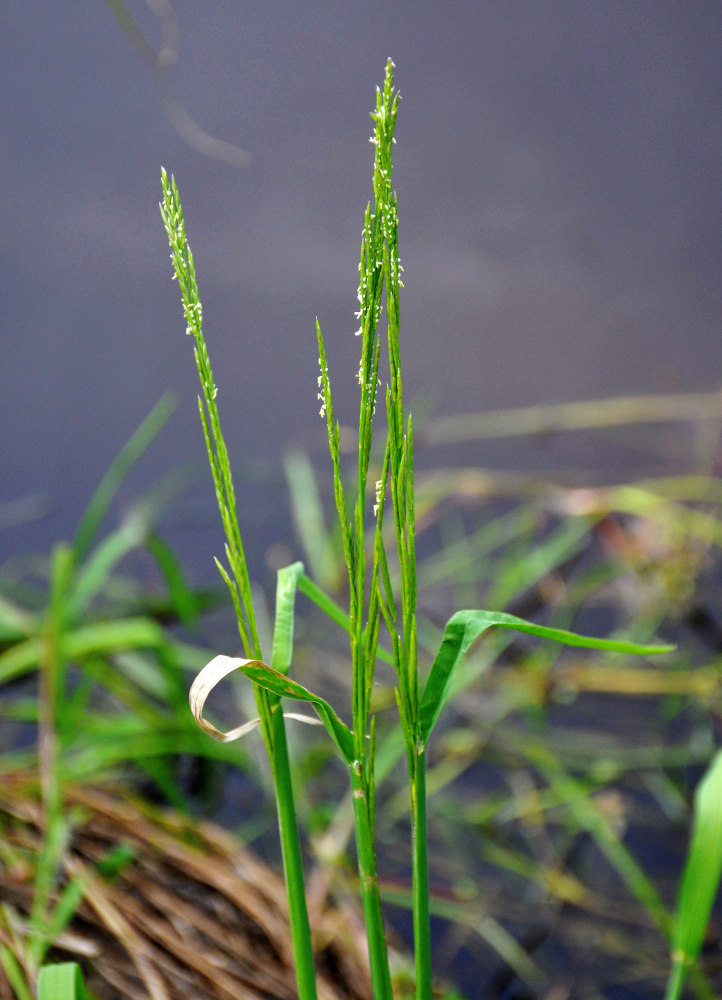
(211, 675)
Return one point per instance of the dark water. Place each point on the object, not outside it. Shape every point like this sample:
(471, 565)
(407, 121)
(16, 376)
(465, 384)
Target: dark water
(560, 208)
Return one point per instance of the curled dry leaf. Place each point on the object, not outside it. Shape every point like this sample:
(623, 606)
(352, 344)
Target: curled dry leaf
(211, 675)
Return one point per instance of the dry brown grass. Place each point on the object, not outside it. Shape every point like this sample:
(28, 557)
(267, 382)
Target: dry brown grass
(193, 915)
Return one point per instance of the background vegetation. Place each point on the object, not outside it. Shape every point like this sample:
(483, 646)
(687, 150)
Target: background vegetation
(561, 786)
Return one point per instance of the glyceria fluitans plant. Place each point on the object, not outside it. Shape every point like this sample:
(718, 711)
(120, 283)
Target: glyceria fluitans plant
(373, 601)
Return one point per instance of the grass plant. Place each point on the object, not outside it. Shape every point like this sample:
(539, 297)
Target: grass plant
(382, 584)
(110, 699)
(109, 672)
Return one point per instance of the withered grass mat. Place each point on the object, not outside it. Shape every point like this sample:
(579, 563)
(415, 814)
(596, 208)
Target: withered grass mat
(190, 914)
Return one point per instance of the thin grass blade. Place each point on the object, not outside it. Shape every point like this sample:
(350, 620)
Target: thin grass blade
(334, 611)
(184, 600)
(319, 544)
(14, 973)
(99, 637)
(282, 652)
(127, 457)
(283, 686)
(95, 572)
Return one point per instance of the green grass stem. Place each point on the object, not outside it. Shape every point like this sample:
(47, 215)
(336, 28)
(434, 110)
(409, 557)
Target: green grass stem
(131, 452)
(292, 861)
(370, 895)
(364, 597)
(420, 879)
(282, 652)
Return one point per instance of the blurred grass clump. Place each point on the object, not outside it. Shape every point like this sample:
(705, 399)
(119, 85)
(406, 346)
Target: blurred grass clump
(93, 693)
(90, 659)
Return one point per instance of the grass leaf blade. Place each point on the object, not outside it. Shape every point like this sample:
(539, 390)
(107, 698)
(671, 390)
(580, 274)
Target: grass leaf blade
(335, 613)
(464, 627)
(127, 457)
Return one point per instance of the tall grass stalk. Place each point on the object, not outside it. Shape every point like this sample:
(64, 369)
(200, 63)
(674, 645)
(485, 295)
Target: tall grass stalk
(373, 598)
(236, 577)
(399, 471)
(364, 609)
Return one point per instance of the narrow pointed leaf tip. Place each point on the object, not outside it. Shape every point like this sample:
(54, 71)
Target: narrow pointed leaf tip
(465, 627)
(275, 682)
